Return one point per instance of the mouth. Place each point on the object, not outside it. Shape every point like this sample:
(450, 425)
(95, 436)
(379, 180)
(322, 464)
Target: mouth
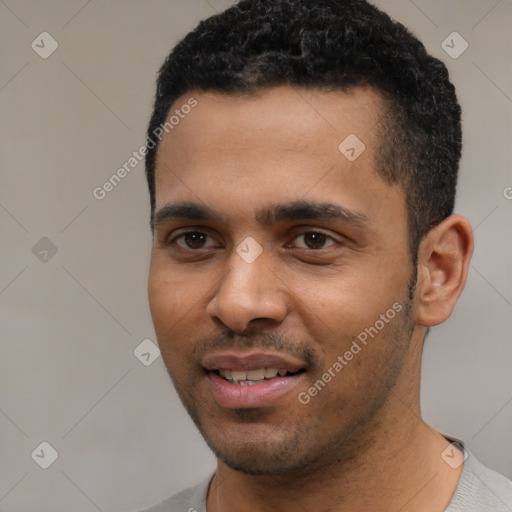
(240, 381)
(252, 377)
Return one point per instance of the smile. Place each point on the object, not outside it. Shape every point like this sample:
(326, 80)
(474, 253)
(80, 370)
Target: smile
(251, 377)
(252, 380)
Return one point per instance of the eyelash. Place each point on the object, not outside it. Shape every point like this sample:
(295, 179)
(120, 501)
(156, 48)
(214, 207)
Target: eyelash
(173, 241)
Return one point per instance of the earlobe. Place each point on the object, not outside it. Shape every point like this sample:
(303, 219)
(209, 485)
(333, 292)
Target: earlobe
(443, 262)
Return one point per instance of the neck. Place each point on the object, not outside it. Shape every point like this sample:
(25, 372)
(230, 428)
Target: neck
(396, 465)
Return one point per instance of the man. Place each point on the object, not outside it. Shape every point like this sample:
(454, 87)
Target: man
(302, 192)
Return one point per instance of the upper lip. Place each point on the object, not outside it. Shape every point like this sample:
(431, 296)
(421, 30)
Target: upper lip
(252, 361)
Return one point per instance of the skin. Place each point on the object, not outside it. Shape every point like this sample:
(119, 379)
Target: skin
(361, 440)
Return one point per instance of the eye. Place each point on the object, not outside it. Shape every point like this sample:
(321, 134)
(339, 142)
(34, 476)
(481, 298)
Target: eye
(193, 240)
(314, 240)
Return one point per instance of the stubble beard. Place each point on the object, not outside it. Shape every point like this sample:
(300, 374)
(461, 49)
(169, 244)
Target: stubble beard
(297, 449)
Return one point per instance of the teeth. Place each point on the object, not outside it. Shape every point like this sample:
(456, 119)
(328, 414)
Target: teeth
(255, 375)
(250, 377)
(270, 373)
(226, 374)
(235, 375)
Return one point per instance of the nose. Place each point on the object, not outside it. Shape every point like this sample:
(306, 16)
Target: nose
(248, 292)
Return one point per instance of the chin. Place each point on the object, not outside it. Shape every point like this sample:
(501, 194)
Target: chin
(256, 452)
(254, 461)
(250, 468)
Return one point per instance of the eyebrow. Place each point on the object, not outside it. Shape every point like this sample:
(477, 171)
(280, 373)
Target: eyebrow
(270, 215)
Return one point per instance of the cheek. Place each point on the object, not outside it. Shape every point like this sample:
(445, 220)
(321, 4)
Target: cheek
(169, 299)
(337, 304)
(338, 310)
(160, 298)
(169, 291)
(166, 311)
(176, 303)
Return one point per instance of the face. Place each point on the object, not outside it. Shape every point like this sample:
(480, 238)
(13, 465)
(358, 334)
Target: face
(280, 274)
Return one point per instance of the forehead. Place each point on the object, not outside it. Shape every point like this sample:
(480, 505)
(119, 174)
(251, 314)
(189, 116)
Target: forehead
(274, 145)
(299, 117)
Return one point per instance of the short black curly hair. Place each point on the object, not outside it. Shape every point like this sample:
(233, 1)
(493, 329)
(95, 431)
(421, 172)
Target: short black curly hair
(332, 45)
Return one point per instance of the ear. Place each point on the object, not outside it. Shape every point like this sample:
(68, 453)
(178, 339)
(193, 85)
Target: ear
(443, 263)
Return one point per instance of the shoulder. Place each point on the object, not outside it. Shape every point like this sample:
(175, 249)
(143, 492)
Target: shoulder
(192, 499)
(480, 488)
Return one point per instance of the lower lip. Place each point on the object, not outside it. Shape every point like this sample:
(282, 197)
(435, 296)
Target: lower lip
(242, 396)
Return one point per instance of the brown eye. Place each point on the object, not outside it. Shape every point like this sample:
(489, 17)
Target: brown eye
(193, 240)
(314, 240)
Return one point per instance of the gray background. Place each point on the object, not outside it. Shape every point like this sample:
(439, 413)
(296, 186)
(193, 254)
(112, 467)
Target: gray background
(70, 321)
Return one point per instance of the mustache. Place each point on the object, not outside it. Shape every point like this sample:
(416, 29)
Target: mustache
(256, 341)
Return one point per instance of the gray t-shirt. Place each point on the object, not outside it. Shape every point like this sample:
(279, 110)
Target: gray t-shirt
(479, 490)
